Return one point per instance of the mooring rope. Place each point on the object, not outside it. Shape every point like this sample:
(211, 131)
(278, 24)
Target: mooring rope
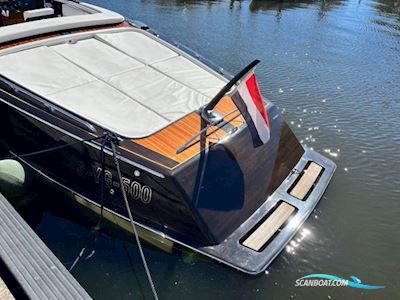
(113, 140)
(52, 148)
(102, 179)
(143, 257)
(77, 259)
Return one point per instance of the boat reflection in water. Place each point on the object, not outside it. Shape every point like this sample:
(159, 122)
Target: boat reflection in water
(280, 6)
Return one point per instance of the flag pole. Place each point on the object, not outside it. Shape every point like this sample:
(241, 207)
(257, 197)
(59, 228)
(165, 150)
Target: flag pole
(214, 101)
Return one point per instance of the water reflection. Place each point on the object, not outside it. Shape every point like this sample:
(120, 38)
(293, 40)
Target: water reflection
(280, 5)
(185, 3)
(337, 84)
(389, 17)
(296, 242)
(388, 7)
(233, 3)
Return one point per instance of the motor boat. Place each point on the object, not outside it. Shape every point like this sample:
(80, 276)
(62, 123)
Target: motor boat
(206, 161)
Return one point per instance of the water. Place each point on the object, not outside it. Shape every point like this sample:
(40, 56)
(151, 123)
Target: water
(333, 68)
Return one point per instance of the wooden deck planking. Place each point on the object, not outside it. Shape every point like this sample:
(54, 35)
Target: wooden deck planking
(269, 227)
(305, 183)
(167, 141)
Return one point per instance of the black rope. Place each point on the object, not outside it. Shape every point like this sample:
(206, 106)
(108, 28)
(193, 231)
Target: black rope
(51, 149)
(113, 140)
(146, 267)
(108, 137)
(19, 156)
(102, 180)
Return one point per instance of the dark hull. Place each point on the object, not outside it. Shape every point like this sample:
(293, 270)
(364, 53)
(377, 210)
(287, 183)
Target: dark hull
(208, 201)
(153, 197)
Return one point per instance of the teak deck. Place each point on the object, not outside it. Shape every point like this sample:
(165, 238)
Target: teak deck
(161, 147)
(269, 227)
(305, 183)
(167, 141)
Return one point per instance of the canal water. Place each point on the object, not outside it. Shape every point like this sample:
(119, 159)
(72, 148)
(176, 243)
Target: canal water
(333, 69)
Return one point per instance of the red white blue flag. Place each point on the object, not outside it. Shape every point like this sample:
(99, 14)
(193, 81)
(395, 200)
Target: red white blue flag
(250, 102)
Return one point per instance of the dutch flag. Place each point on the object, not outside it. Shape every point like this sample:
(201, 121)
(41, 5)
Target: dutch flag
(250, 102)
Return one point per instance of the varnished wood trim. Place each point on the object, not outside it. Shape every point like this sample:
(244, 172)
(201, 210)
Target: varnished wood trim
(167, 141)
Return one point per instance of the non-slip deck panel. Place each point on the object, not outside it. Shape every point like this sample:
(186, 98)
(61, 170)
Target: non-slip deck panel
(269, 227)
(34, 266)
(303, 186)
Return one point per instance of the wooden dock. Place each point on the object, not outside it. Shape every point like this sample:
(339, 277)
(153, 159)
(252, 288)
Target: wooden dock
(33, 266)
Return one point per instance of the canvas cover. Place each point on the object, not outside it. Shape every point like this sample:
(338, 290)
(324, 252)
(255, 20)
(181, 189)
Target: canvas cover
(124, 81)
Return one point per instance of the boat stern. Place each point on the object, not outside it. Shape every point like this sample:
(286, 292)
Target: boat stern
(250, 200)
(253, 246)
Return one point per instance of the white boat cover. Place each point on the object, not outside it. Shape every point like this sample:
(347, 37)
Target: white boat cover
(75, 15)
(124, 81)
(36, 13)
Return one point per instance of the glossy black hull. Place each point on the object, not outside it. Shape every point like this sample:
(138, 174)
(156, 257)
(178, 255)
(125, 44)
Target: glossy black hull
(153, 197)
(207, 204)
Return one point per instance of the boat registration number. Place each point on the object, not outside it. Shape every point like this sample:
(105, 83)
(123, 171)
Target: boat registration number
(133, 188)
